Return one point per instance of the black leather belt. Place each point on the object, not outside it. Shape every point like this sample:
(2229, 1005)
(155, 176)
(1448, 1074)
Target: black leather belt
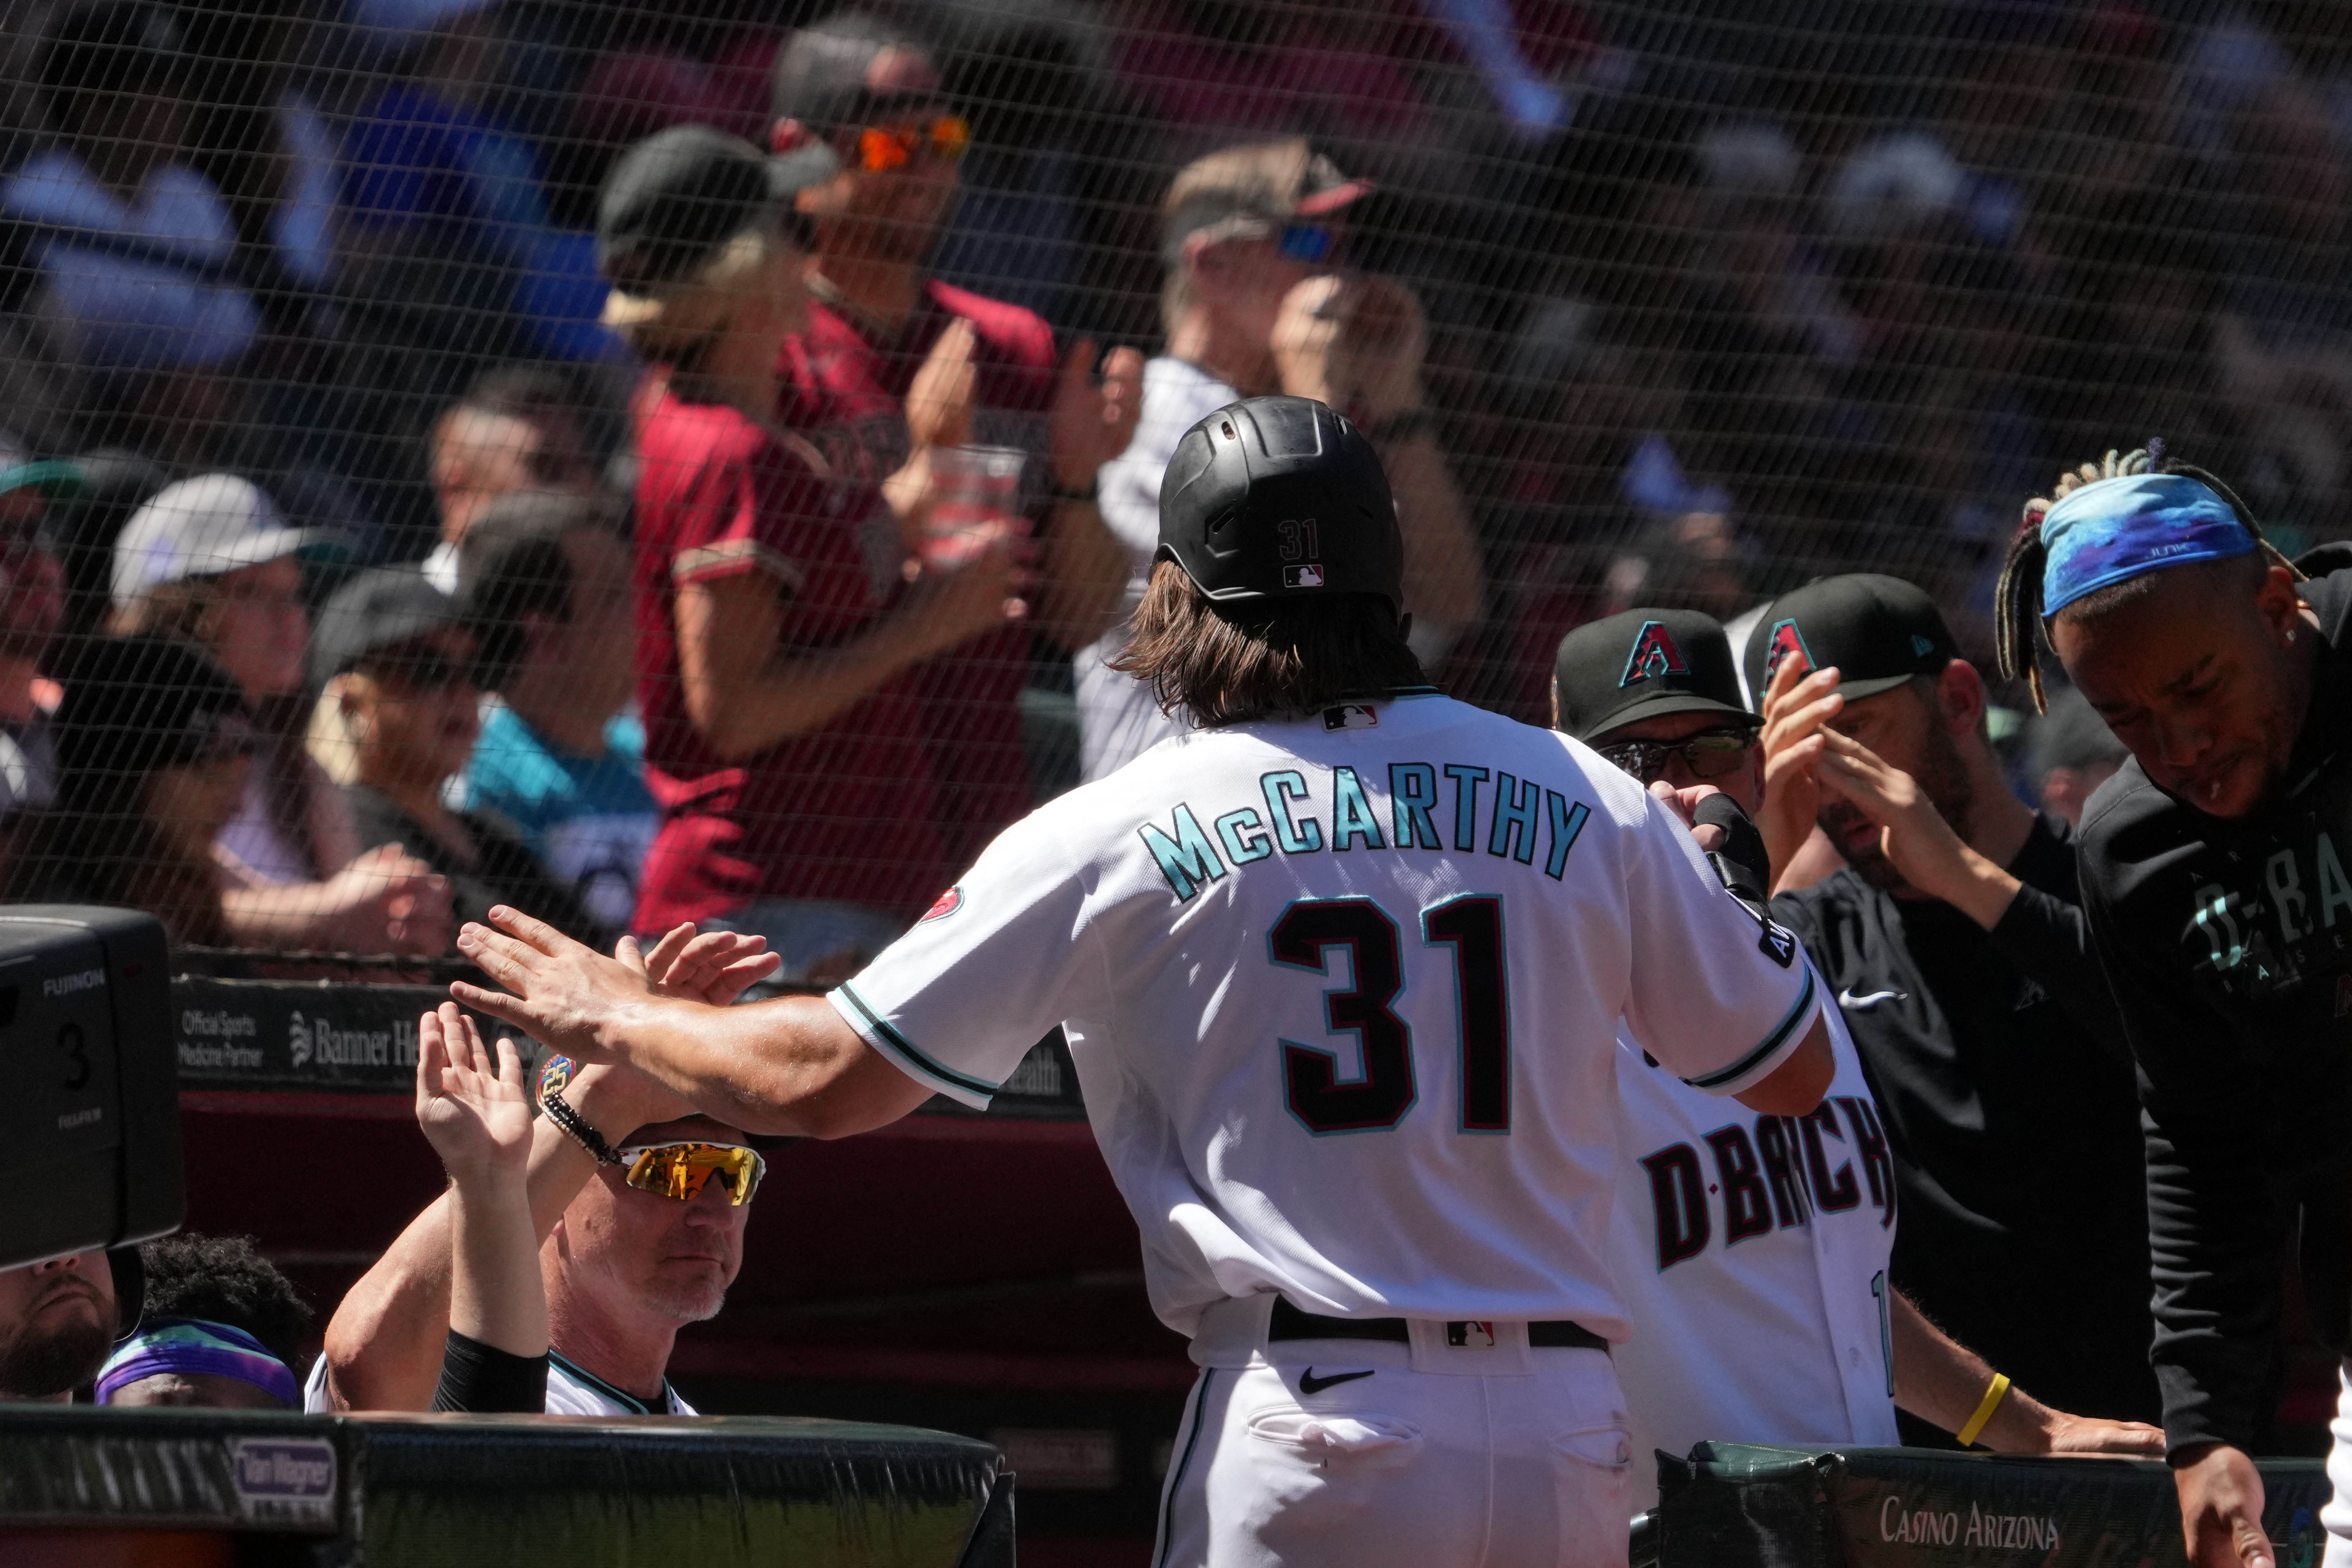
(1289, 1323)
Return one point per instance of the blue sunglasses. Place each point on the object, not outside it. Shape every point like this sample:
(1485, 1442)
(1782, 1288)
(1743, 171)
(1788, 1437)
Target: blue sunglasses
(1308, 242)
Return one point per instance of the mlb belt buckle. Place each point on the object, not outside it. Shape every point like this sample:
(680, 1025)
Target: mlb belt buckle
(1470, 1333)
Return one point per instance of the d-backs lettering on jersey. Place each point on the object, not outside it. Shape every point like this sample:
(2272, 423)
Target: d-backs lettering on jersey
(1753, 1260)
(1342, 1001)
(1744, 1186)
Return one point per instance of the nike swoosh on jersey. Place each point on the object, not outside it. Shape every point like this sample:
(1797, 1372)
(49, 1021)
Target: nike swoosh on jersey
(1846, 998)
(1310, 1383)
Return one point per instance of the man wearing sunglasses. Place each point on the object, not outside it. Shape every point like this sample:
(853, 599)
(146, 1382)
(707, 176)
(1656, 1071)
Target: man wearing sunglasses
(872, 93)
(640, 1207)
(1254, 240)
(1754, 1250)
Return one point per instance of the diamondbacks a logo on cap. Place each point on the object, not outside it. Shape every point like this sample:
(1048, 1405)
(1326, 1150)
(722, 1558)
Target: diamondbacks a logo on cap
(1655, 654)
(1786, 639)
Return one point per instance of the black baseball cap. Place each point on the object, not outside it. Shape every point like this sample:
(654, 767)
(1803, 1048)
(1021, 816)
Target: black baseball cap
(136, 704)
(1878, 632)
(823, 76)
(1644, 664)
(376, 609)
(676, 198)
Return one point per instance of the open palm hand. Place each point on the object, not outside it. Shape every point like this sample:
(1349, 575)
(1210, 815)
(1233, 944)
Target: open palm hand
(471, 1102)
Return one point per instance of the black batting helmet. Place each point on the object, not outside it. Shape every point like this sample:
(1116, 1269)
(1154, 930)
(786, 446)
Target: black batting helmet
(1279, 498)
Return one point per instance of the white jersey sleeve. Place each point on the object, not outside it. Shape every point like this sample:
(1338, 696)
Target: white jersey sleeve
(1717, 995)
(1008, 933)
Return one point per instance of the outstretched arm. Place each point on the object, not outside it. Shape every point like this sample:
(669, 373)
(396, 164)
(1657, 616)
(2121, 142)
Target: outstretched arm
(1939, 1379)
(385, 1341)
(790, 1066)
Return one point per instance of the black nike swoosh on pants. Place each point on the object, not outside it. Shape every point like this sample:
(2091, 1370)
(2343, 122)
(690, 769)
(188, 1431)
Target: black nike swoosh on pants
(1310, 1383)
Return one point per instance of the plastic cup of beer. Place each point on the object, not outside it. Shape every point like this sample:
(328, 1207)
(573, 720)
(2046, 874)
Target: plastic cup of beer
(976, 498)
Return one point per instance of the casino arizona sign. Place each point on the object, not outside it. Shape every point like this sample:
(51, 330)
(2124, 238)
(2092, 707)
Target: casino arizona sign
(1945, 1527)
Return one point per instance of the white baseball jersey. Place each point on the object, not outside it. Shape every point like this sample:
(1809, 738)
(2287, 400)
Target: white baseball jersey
(572, 1390)
(1752, 1253)
(1342, 994)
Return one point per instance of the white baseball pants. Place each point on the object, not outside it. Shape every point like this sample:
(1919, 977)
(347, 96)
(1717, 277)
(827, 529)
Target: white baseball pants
(1299, 1454)
(2337, 1516)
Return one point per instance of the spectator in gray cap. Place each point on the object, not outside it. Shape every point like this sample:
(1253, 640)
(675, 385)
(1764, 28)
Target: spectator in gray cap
(212, 560)
(401, 707)
(2069, 753)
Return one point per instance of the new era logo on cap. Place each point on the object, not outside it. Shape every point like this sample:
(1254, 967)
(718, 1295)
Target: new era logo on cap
(1654, 654)
(1308, 576)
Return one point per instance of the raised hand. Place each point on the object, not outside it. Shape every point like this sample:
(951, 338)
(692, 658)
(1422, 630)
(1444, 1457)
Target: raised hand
(713, 967)
(940, 399)
(559, 991)
(471, 1102)
(1912, 835)
(1093, 421)
(1799, 703)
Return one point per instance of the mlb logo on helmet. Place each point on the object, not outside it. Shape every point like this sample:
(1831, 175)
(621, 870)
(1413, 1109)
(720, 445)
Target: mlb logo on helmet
(1786, 640)
(1308, 576)
(1654, 655)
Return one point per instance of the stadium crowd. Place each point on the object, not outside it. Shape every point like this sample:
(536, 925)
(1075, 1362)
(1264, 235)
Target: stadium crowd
(674, 476)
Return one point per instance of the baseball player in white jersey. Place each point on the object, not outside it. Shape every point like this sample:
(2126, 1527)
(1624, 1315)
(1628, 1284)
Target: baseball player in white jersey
(1752, 1251)
(1341, 971)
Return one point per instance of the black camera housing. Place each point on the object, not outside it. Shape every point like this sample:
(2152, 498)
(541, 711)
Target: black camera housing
(90, 1083)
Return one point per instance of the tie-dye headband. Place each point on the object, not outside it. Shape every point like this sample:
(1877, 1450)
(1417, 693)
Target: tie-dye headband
(196, 1345)
(2111, 530)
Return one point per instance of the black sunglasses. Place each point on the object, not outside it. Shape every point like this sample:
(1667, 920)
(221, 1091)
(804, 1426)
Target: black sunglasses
(1708, 754)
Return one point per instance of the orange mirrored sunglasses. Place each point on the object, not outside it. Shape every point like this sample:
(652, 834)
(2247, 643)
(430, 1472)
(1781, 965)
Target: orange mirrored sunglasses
(881, 147)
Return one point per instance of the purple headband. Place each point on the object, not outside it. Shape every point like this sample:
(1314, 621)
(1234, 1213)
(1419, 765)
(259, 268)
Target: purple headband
(196, 1345)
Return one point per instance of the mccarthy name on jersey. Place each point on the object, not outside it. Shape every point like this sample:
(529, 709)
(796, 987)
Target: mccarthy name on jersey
(1288, 815)
(1368, 961)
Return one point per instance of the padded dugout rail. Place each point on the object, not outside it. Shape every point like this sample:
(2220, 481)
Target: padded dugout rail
(520, 1492)
(1738, 1506)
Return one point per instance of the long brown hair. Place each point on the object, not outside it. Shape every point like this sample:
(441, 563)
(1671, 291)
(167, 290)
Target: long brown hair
(1257, 659)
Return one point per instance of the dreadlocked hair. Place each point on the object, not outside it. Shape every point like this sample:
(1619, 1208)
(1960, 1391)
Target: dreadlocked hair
(2017, 602)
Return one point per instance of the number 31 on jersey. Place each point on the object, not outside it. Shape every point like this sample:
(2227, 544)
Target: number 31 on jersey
(1471, 925)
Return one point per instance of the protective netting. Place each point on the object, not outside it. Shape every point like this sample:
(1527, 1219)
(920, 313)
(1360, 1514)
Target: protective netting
(1718, 295)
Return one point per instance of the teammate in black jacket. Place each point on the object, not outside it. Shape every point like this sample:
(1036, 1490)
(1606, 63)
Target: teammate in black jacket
(2214, 879)
(1957, 948)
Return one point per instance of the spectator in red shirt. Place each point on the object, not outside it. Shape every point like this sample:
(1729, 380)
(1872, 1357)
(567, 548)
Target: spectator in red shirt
(778, 628)
(872, 94)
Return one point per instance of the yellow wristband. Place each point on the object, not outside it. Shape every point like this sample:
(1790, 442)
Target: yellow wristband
(1995, 1392)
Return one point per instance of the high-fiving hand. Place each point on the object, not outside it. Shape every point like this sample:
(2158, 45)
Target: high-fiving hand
(471, 1102)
